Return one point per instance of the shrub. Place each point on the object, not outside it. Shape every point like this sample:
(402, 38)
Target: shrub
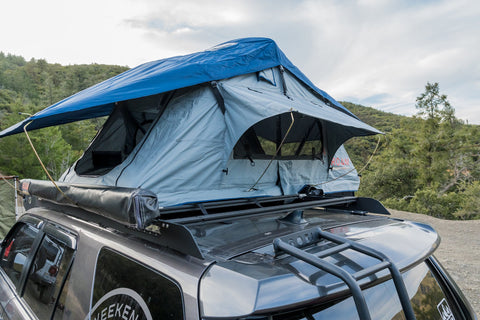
(429, 201)
(470, 206)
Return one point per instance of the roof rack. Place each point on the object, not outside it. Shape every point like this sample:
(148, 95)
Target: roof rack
(205, 207)
(136, 210)
(287, 207)
(293, 244)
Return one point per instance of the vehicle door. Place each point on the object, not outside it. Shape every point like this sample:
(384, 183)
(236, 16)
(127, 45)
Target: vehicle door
(35, 258)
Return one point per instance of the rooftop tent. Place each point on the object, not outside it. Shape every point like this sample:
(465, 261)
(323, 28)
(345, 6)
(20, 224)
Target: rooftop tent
(207, 126)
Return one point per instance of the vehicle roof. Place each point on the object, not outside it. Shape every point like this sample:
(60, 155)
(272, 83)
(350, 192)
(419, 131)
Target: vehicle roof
(232, 237)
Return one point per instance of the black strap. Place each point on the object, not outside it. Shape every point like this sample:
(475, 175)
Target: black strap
(305, 137)
(218, 95)
(284, 84)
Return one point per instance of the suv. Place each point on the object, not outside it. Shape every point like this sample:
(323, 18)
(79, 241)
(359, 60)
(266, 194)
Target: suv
(218, 188)
(305, 257)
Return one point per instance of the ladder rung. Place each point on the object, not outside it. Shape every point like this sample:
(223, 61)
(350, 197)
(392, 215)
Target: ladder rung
(371, 270)
(333, 250)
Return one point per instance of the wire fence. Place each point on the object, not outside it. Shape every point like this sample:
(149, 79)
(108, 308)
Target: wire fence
(7, 203)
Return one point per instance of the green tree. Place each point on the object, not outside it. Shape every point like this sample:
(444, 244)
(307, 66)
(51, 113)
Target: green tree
(434, 146)
(427, 164)
(391, 173)
(434, 106)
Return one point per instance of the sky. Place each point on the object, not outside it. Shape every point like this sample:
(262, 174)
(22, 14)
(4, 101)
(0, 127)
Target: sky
(377, 53)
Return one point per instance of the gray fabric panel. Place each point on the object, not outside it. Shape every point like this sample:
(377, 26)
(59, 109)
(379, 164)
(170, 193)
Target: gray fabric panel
(342, 176)
(295, 174)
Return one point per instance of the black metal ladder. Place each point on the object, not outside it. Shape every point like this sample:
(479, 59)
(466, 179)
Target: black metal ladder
(292, 244)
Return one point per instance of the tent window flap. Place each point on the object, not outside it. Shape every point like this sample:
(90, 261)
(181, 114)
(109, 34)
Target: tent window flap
(261, 141)
(124, 129)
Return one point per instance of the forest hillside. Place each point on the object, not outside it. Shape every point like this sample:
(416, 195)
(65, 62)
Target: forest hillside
(428, 164)
(27, 87)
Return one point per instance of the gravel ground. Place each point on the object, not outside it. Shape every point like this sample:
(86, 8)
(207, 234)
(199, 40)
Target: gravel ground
(459, 251)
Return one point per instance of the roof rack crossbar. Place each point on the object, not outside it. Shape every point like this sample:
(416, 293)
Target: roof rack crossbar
(258, 201)
(293, 243)
(272, 209)
(202, 208)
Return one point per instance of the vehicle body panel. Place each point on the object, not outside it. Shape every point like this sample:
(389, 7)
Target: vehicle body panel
(249, 279)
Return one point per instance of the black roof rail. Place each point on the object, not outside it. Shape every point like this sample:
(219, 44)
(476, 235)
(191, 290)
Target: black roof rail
(362, 205)
(283, 208)
(161, 232)
(293, 243)
(204, 207)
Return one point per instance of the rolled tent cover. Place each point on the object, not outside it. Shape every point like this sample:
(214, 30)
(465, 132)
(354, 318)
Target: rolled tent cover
(229, 59)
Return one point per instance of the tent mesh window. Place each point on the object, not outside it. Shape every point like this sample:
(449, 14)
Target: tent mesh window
(127, 125)
(261, 141)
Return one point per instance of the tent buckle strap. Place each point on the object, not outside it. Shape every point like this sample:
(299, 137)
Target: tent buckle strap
(284, 84)
(218, 95)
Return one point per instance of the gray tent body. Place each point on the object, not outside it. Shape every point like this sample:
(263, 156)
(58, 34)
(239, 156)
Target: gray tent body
(208, 142)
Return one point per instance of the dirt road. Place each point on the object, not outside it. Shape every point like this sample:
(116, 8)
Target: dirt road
(459, 251)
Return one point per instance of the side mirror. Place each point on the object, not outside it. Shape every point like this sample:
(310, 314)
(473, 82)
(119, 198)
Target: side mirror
(19, 262)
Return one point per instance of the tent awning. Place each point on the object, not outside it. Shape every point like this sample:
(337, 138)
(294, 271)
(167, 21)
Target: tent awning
(226, 60)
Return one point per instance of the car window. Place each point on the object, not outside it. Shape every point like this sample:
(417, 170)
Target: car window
(60, 310)
(427, 298)
(126, 289)
(17, 250)
(46, 275)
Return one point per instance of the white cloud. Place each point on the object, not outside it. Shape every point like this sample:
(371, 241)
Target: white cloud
(390, 52)
(375, 52)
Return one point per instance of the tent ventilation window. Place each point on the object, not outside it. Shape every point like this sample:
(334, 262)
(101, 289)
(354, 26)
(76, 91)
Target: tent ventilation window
(262, 139)
(124, 129)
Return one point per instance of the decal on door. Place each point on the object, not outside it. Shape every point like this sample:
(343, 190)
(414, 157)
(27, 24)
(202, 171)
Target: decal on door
(120, 304)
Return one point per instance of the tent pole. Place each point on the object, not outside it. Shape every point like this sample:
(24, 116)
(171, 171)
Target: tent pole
(15, 179)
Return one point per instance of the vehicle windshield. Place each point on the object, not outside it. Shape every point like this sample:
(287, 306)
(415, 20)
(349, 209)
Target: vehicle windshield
(427, 297)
